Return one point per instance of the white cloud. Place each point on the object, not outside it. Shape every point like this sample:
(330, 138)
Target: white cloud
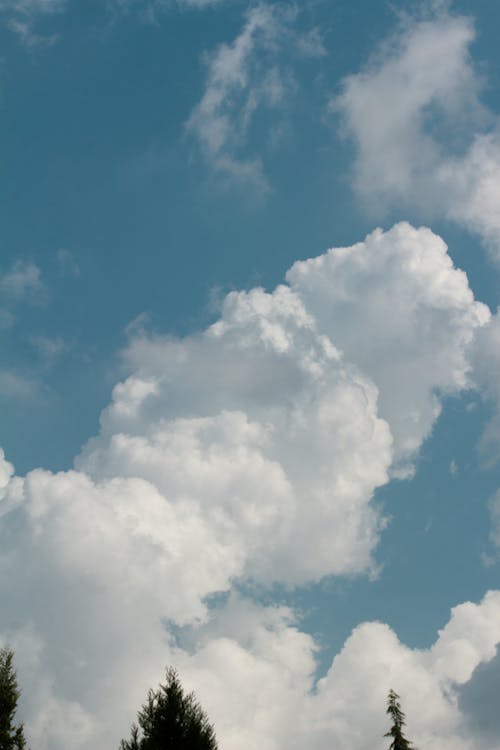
(238, 422)
(254, 672)
(6, 473)
(400, 310)
(244, 77)
(421, 79)
(250, 452)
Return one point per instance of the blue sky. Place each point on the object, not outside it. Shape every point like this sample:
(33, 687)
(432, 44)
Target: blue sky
(219, 453)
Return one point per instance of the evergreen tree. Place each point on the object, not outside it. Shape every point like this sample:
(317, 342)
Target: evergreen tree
(171, 720)
(11, 735)
(399, 742)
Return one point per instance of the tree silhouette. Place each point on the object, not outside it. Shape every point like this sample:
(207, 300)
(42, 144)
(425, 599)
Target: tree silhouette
(171, 720)
(11, 735)
(399, 741)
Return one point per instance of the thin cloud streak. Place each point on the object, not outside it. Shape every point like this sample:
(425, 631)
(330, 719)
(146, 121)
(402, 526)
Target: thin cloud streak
(245, 77)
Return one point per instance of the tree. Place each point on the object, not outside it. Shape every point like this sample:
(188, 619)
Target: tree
(11, 735)
(399, 742)
(171, 720)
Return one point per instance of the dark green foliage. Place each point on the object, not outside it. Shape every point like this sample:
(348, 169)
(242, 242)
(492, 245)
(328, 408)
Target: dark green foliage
(11, 735)
(170, 720)
(399, 742)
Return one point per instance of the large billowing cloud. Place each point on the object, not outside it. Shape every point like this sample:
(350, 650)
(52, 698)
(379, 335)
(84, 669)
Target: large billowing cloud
(273, 701)
(397, 307)
(248, 452)
(423, 139)
(254, 672)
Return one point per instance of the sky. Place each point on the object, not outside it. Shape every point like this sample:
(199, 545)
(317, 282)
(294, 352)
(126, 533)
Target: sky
(249, 370)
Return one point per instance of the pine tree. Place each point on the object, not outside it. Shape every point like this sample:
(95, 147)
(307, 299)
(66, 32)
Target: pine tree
(171, 720)
(11, 736)
(399, 742)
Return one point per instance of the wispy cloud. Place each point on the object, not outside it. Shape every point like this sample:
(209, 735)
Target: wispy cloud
(247, 76)
(421, 80)
(6, 319)
(68, 266)
(23, 282)
(49, 348)
(21, 16)
(14, 384)
(151, 10)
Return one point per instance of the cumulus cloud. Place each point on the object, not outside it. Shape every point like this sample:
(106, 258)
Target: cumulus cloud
(394, 110)
(397, 306)
(254, 670)
(247, 413)
(248, 452)
(244, 77)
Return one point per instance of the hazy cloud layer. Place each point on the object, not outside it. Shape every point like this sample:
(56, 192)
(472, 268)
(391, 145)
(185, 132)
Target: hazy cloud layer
(420, 81)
